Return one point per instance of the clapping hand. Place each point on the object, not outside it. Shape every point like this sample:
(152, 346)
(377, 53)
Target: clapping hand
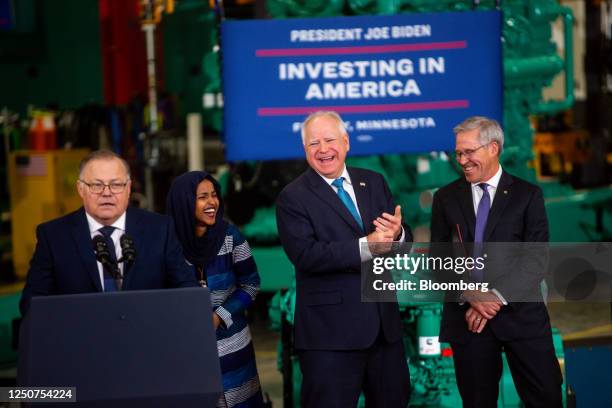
(388, 229)
(390, 223)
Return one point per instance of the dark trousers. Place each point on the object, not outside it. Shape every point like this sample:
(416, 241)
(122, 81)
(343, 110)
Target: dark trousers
(533, 364)
(336, 378)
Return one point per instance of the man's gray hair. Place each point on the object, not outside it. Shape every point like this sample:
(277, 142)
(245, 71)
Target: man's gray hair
(102, 154)
(317, 114)
(489, 130)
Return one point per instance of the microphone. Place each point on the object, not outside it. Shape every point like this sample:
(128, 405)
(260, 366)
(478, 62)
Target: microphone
(128, 249)
(102, 252)
(108, 261)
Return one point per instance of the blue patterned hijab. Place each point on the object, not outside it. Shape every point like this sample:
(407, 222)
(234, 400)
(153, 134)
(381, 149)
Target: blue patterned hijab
(180, 205)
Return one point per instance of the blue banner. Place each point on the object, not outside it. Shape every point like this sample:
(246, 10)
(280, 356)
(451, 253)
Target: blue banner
(401, 83)
(6, 15)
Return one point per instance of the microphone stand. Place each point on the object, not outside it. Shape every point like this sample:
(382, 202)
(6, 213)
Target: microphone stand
(109, 264)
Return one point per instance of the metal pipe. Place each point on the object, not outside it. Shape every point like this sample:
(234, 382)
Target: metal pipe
(149, 29)
(194, 142)
(568, 102)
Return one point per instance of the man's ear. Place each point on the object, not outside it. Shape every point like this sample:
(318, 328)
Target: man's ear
(495, 146)
(80, 189)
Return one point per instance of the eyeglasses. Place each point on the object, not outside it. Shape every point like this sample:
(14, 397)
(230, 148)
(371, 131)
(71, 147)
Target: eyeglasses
(98, 187)
(469, 152)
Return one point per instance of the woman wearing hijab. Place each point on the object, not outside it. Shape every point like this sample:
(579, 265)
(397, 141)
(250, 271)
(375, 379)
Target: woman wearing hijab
(223, 262)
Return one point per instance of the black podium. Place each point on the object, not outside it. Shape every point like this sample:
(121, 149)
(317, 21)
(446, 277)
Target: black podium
(133, 348)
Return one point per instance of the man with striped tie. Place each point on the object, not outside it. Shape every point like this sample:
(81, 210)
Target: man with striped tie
(326, 220)
(490, 205)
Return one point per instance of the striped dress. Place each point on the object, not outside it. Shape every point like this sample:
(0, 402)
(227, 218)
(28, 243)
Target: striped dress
(233, 282)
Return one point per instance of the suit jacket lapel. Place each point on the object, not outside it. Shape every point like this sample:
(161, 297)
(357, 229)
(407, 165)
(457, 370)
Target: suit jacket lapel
(363, 201)
(82, 238)
(464, 193)
(322, 190)
(133, 228)
(502, 196)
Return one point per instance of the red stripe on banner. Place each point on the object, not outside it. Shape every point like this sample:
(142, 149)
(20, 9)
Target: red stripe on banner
(369, 49)
(394, 107)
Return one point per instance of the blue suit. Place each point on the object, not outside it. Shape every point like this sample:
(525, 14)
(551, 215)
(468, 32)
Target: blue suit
(320, 237)
(64, 261)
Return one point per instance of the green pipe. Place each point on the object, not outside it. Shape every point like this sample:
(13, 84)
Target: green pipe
(568, 102)
(526, 68)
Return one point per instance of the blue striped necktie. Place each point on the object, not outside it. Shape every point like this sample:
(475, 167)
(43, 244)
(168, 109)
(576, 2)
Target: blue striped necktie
(347, 201)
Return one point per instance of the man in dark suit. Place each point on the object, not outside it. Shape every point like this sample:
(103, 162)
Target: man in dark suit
(64, 261)
(490, 205)
(326, 219)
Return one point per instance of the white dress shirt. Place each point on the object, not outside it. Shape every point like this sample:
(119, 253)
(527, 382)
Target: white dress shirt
(477, 192)
(364, 250)
(94, 227)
